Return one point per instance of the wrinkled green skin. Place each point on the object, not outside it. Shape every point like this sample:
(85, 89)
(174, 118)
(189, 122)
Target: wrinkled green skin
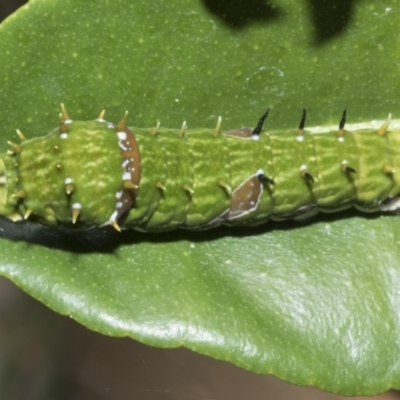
(92, 158)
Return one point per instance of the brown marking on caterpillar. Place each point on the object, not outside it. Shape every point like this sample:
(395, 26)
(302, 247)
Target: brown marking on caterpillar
(249, 133)
(131, 173)
(244, 133)
(246, 197)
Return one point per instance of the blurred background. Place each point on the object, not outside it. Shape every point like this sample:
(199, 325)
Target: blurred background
(45, 356)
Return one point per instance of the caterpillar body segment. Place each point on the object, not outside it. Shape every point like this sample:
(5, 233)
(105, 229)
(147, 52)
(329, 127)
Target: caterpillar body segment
(85, 174)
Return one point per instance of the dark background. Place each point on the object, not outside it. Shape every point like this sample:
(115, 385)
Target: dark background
(7, 7)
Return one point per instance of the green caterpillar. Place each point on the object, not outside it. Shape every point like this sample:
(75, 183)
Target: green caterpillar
(85, 174)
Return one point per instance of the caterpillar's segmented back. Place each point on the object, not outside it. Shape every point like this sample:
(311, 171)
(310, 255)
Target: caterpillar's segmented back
(93, 173)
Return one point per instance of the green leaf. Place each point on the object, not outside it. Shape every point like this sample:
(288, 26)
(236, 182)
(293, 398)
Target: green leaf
(314, 304)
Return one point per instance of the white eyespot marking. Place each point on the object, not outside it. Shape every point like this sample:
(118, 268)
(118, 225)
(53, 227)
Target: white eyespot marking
(68, 181)
(63, 135)
(119, 204)
(303, 167)
(126, 176)
(122, 135)
(118, 195)
(77, 206)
